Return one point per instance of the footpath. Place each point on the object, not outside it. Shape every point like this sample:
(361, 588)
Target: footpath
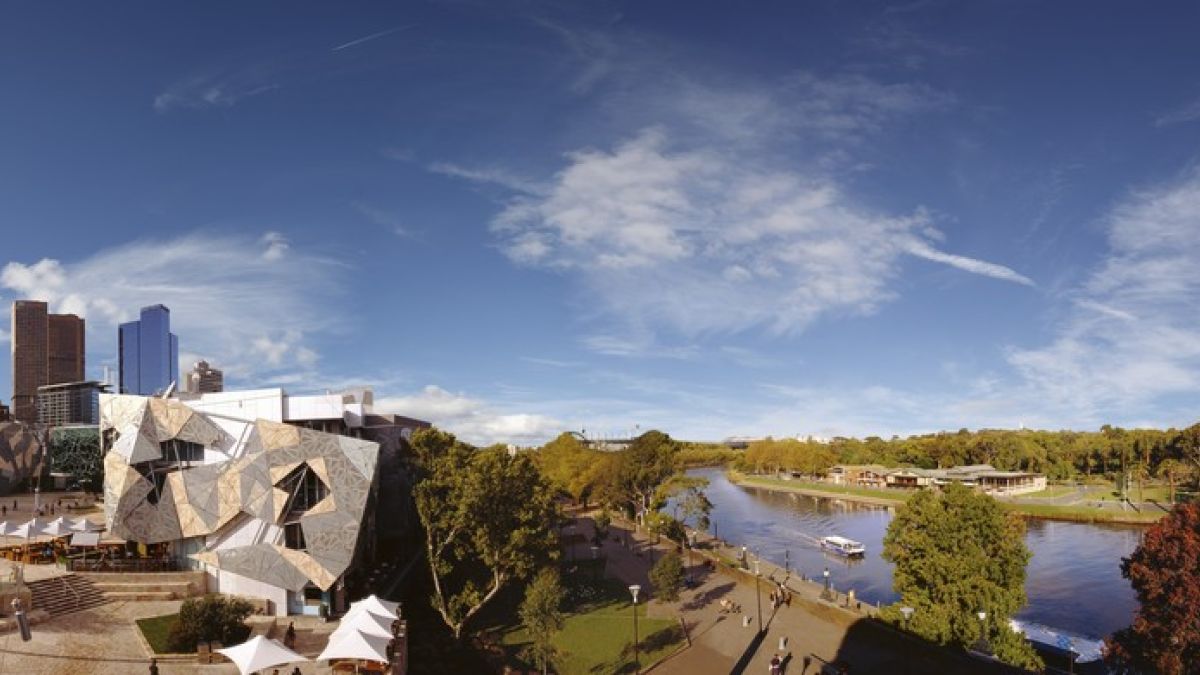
(721, 616)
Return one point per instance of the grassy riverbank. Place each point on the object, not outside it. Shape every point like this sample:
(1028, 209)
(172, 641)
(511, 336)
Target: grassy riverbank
(1071, 512)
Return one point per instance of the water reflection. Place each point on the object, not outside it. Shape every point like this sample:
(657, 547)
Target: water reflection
(1074, 579)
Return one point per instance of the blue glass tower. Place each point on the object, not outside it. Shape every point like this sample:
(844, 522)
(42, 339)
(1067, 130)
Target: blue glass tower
(148, 353)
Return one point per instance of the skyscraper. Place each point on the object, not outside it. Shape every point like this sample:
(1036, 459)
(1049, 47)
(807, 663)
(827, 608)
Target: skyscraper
(148, 352)
(204, 379)
(46, 349)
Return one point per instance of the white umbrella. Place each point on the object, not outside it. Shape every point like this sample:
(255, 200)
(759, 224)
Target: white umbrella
(378, 607)
(366, 623)
(354, 645)
(59, 527)
(32, 528)
(356, 610)
(7, 528)
(82, 524)
(258, 653)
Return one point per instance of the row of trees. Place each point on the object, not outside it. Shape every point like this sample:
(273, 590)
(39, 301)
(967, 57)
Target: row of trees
(1172, 455)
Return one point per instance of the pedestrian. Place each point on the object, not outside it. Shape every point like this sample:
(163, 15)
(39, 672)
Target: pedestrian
(14, 505)
(3, 510)
(776, 667)
(289, 638)
(296, 671)
(787, 598)
(153, 666)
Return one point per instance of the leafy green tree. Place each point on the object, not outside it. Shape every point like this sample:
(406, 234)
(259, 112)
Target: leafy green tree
(667, 577)
(957, 553)
(600, 523)
(639, 471)
(1171, 470)
(489, 518)
(541, 616)
(1165, 573)
(212, 618)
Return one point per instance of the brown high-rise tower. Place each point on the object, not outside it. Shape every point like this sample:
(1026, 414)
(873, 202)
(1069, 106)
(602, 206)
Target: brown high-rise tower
(46, 349)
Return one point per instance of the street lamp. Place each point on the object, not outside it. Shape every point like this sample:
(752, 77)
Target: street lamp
(825, 595)
(758, 594)
(982, 646)
(787, 563)
(637, 666)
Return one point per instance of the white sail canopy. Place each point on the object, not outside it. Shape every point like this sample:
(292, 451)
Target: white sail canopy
(353, 644)
(258, 653)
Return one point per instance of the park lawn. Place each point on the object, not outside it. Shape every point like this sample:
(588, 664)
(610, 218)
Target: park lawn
(1084, 513)
(155, 630)
(1054, 491)
(597, 634)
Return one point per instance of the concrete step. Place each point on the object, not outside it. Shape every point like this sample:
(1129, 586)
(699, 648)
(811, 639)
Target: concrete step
(140, 596)
(65, 594)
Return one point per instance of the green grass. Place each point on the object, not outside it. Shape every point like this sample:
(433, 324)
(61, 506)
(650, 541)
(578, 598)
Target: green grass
(597, 635)
(1083, 513)
(155, 630)
(1053, 491)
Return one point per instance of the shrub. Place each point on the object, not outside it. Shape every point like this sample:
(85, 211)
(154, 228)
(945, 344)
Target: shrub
(208, 619)
(667, 577)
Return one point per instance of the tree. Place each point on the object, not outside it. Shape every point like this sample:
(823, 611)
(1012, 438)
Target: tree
(1165, 573)
(957, 553)
(667, 577)
(541, 616)
(1172, 470)
(639, 471)
(600, 524)
(489, 518)
(211, 618)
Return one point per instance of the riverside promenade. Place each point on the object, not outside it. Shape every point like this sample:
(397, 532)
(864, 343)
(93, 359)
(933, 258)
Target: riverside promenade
(816, 634)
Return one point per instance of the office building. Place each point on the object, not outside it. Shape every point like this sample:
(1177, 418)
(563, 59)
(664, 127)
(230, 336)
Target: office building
(204, 379)
(148, 353)
(70, 403)
(46, 349)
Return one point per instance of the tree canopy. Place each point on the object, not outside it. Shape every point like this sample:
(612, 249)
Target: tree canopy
(488, 516)
(1165, 573)
(958, 553)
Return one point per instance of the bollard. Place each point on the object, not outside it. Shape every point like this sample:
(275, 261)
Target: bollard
(22, 620)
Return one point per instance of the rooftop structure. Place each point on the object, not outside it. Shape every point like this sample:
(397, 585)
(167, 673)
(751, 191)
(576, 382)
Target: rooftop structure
(982, 476)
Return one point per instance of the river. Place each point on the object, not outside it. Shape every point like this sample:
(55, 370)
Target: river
(1073, 582)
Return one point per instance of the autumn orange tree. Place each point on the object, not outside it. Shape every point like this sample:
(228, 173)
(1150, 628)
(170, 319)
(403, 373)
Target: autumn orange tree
(1165, 573)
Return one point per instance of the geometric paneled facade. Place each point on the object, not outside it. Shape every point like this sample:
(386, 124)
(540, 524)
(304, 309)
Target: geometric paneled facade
(22, 455)
(173, 474)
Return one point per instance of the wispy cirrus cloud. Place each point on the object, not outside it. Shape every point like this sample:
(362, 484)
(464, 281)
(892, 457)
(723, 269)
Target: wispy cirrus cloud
(701, 241)
(367, 38)
(217, 89)
(1188, 112)
(252, 306)
(1129, 342)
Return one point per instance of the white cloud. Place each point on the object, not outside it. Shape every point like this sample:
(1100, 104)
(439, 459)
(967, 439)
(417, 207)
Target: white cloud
(381, 217)
(1130, 341)
(215, 90)
(698, 240)
(1188, 112)
(276, 246)
(471, 419)
(245, 311)
(494, 175)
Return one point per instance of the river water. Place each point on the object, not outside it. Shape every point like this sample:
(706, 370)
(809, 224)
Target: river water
(1073, 582)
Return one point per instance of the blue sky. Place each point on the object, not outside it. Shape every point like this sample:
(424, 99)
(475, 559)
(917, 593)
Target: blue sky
(517, 218)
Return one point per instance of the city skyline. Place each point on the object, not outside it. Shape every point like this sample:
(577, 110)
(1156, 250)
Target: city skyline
(884, 219)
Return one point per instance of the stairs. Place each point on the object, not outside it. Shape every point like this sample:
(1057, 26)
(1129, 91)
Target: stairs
(65, 594)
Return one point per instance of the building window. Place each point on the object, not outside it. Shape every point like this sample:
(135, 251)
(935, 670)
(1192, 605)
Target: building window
(293, 537)
(182, 452)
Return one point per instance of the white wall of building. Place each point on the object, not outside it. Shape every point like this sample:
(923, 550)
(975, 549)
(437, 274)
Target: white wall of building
(236, 584)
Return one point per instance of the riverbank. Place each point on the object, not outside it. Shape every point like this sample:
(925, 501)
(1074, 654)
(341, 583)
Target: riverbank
(1082, 513)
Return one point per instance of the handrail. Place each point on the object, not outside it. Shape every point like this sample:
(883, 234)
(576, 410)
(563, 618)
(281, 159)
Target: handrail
(78, 600)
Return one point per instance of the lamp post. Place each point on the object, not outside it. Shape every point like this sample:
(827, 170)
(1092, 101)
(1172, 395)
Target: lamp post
(982, 646)
(787, 562)
(596, 556)
(825, 595)
(637, 666)
(758, 594)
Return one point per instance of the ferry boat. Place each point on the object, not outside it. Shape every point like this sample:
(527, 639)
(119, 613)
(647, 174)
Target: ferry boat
(843, 546)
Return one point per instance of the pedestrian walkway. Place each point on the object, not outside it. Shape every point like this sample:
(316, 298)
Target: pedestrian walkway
(722, 614)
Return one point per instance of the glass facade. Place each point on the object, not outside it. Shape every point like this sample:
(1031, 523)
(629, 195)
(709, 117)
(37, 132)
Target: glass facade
(149, 353)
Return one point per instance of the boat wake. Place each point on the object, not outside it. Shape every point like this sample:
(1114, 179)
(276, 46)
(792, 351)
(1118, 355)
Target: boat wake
(1088, 649)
